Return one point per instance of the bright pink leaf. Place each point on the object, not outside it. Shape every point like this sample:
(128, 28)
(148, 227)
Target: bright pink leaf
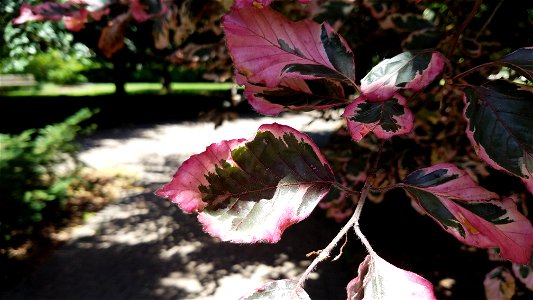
(266, 47)
(279, 289)
(293, 94)
(379, 280)
(524, 273)
(472, 214)
(47, 11)
(385, 119)
(250, 191)
(408, 70)
(500, 127)
(144, 10)
(499, 284)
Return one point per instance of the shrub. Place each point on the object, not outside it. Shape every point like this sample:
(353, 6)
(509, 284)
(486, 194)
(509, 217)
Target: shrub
(56, 67)
(37, 168)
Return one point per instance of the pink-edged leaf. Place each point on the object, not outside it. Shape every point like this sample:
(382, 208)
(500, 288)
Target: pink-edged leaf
(377, 279)
(499, 284)
(385, 119)
(524, 273)
(293, 94)
(144, 10)
(112, 37)
(76, 22)
(279, 289)
(500, 127)
(266, 47)
(408, 70)
(472, 214)
(251, 191)
(520, 60)
(47, 11)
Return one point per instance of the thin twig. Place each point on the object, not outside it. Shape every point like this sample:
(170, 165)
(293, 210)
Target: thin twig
(354, 219)
(489, 19)
(462, 27)
(342, 247)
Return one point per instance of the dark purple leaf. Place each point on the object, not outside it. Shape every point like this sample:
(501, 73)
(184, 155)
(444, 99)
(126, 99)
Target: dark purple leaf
(521, 61)
(500, 127)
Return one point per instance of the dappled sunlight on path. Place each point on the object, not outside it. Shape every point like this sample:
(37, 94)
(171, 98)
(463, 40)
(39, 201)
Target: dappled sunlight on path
(144, 247)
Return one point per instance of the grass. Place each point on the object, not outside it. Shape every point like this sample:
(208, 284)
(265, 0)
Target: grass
(99, 89)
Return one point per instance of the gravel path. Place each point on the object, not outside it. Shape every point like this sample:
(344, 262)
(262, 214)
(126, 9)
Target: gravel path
(143, 247)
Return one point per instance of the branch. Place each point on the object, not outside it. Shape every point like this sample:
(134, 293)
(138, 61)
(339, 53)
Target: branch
(463, 26)
(489, 19)
(353, 222)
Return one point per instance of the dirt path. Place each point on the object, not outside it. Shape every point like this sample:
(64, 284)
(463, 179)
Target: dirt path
(143, 247)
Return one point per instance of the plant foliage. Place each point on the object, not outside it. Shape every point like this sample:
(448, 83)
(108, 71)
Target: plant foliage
(37, 168)
(415, 82)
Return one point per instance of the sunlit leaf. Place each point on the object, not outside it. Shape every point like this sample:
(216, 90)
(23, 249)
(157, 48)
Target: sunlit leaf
(266, 47)
(524, 273)
(472, 214)
(500, 127)
(499, 284)
(520, 60)
(251, 191)
(279, 289)
(408, 70)
(293, 94)
(385, 119)
(377, 279)
(112, 37)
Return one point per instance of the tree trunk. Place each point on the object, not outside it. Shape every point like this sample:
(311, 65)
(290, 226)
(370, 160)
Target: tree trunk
(119, 77)
(166, 80)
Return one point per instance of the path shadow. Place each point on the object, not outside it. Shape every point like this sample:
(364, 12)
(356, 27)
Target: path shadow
(145, 248)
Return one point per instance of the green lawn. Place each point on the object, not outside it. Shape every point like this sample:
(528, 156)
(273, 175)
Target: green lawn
(98, 89)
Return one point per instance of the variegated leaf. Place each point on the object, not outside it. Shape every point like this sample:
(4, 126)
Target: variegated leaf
(524, 273)
(266, 47)
(500, 127)
(293, 94)
(385, 119)
(377, 279)
(408, 70)
(251, 191)
(499, 284)
(472, 214)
